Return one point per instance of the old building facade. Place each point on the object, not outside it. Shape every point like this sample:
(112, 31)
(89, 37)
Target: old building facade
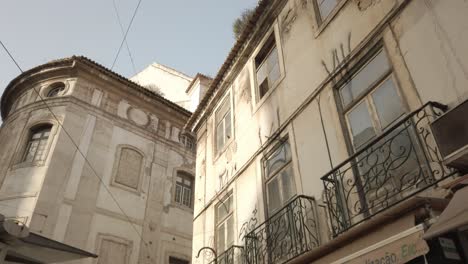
(314, 140)
(93, 160)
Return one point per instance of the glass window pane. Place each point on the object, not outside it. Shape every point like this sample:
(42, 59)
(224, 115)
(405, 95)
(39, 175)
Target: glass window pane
(326, 6)
(274, 201)
(224, 208)
(220, 239)
(227, 126)
(361, 125)
(230, 231)
(274, 74)
(187, 197)
(178, 194)
(262, 73)
(363, 80)
(278, 159)
(287, 182)
(387, 103)
(219, 136)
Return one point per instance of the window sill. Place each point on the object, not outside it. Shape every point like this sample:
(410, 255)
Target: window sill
(20, 165)
(126, 188)
(182, 207)
(322, 25)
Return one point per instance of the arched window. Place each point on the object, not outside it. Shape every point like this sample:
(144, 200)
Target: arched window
(184, 189)
(37, 143)
(56, 89)
(130, 163)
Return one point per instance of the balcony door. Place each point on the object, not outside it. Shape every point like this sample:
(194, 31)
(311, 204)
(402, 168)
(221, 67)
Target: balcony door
(281, 189)
(372, 105)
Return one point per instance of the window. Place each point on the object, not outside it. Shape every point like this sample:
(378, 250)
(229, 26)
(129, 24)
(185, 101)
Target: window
(184, 189)
(267, 66)
(325, 7)
(224, 225)
(370, 100)
(56, 89)
(115, 252)
(223, 123)
(279, 178)
(187, 141)
(173, 260)
(130, 163)
(37, 143)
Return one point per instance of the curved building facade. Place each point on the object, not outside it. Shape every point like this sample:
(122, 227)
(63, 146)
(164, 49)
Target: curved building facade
(91, 159)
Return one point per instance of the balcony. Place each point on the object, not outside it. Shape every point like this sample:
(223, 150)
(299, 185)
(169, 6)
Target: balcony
(233, 255)
(398, 164)
(288, 233)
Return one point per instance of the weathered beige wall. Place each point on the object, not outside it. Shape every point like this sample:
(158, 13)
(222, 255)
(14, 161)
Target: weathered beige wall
(64, 199)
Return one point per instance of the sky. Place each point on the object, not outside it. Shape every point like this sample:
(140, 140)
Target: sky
(188, 35)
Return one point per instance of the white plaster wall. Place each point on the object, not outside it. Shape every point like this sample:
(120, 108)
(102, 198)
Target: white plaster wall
(172, 83)
(432, 37)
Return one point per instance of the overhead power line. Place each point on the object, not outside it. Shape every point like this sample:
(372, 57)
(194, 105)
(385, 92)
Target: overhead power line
(79, 150)
(126, 33)
(123, 33)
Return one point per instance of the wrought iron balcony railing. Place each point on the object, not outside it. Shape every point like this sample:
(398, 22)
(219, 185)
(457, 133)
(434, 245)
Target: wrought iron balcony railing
(288, 233)
(401, 162)
(233, 255)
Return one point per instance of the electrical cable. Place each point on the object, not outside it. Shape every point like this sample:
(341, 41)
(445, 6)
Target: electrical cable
(126, 33)
(123, 34)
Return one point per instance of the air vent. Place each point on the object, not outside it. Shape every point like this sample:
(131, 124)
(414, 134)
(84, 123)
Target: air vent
(451, 134)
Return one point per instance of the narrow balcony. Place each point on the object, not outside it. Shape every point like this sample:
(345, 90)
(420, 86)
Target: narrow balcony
(288, 233)
(398, 164)
(233, 255)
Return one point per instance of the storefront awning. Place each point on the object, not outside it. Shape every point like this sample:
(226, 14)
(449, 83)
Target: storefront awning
(453, 217)
(22, 246)
(38, 249)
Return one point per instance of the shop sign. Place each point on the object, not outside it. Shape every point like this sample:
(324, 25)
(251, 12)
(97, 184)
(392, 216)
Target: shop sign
(396, 252)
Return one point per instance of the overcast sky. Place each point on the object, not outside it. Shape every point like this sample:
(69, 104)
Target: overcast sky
(189, 35)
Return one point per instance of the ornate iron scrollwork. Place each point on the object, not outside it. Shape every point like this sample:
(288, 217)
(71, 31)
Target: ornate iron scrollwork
(401, 162)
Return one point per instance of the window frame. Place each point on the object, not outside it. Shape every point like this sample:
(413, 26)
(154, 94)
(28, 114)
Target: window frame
(191, 178)
(366, 96)
(116, 164)
(322, 23)
(39, 129)
(272, 32)
(24, 141)
(224, 220)
(217, 149)
(277, 173)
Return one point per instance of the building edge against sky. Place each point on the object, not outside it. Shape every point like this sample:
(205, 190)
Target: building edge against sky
(314, 142)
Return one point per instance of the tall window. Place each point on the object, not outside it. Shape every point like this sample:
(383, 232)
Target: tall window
(267, 66)
(129, 168)
(184, 189)
(224, 225)
(37, 143)
(279, 177)
(325, 7)
(371, 100)
(223, 123)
